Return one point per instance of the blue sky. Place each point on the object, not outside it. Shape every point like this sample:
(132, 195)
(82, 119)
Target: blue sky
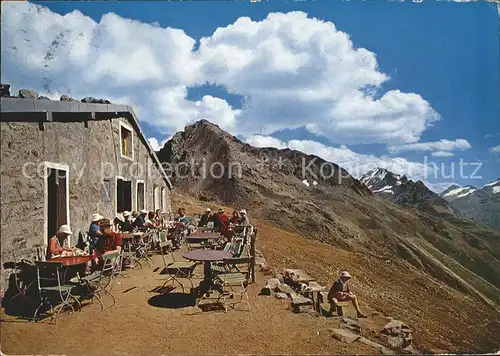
(445, 53)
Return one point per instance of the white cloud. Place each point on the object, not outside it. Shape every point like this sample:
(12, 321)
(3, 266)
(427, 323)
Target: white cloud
(157, 145)
(355, 163)
(441, 147)
(495, 149)
(290, 69)
(442, 154)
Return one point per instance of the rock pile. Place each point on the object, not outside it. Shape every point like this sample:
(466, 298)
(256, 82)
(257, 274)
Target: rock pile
(90, 99)
(397, 335)
(296, 286)
(32, 94)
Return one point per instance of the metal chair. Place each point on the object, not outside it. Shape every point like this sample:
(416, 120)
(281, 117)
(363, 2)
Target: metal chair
(233, 278)
(99, 283)
(50, 284)
(176, 269)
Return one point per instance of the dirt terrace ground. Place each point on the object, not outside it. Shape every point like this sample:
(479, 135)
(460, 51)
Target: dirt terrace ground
(143, 322)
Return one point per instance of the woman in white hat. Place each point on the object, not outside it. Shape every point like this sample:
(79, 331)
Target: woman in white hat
(340, 290)
(94, 229)
(244, 218)
(56, 243)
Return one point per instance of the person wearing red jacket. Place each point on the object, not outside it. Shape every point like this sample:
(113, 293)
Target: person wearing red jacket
(224, 223)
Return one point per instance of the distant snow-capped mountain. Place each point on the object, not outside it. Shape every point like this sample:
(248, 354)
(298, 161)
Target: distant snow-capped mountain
(401, 190)
(482, 204)
(455, 191)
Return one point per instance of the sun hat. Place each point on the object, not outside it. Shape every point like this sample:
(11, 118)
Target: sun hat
(243, 211)
(97, 217)
(209, 210)
(126, 213)
(345, 274)
(119, 217)
(65, 229)
(144, 211)
(105, 222)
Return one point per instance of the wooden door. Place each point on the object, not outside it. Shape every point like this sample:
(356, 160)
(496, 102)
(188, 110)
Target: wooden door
(56, 201)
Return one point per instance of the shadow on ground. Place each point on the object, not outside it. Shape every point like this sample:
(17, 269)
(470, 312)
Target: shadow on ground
(172, 300)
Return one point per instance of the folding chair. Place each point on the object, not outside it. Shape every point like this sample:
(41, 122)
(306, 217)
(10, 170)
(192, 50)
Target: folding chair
(50, 285)
(144, 248)
(99, 283)
(175, 269)
(234, 277)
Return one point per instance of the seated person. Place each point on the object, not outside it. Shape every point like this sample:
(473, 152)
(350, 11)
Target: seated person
(94, 229)
(182, 218)
(243, 219)
(126, 226)
(235, 218)
(340, 291)
(158, 218)
(150, 221)
(109, 241)
(140, 220)
(205, 218)
(56, 242)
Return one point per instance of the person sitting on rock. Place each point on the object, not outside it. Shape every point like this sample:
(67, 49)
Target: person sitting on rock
(341, 292)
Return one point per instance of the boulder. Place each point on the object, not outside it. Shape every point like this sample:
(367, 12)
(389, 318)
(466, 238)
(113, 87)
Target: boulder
(66, 98)
(285, 288)
(4, 90)
(91, 99)
(281, 296)
(302, 308)
(396, 334)
(300, 300)
(270, 287)
(43, 98)
(28, 94)
(280, 277)
(351, 324)
(381, 348)
(344, 335)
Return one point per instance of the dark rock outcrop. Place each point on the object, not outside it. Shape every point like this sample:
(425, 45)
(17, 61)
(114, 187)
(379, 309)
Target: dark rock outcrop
(65, 97)
(91, 99)
(4, 90)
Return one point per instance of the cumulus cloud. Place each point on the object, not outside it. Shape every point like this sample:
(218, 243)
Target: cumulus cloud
(153, 141)
(442, 147)
(495, 149)
(290, 68)
(355, 163)
(442, 154)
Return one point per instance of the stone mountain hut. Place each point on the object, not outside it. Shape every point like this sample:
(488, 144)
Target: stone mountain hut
(61, 161)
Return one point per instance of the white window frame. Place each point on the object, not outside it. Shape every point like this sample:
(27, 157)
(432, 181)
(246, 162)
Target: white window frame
(137, 194)
(62, 167)
(156, 194)
(129, 128)
(163, 199)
